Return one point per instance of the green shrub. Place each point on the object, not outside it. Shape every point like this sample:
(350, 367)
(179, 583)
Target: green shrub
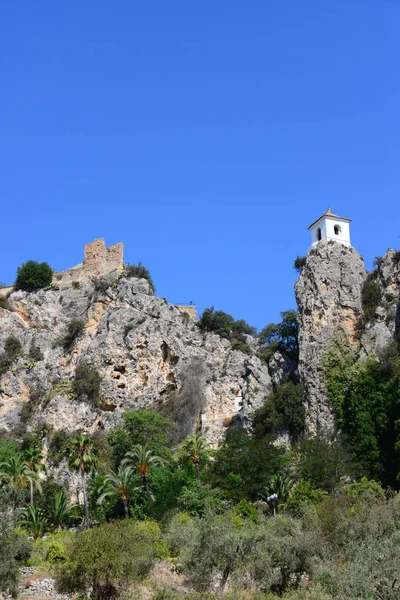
(302, 496)
(75, 329)
(55, 552)
(299, 263)
(35, 353)
(12, 348)
(283, 411)
(281, 336)
(370, 296)
(33, 276)
(106, 557)
(87, 383)
(101, 284)
(224, 325)
(140, 272)
(12, 547)
(58, 446)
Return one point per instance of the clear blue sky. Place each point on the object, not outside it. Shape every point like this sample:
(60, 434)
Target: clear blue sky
(204, 135)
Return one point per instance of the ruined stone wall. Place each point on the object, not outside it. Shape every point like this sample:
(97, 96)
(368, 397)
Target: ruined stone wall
(98, 261)
(189, 309)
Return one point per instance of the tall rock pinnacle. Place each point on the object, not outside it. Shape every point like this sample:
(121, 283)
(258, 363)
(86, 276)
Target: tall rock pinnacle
(328, 294)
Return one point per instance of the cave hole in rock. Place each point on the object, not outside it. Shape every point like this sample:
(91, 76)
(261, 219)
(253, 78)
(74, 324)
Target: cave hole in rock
(167, 355)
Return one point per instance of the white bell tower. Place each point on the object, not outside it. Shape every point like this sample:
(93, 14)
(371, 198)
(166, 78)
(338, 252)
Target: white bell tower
(331, 227)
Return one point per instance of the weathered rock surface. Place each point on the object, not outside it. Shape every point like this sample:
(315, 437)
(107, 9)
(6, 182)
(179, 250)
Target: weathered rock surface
(387, 315)
(329, 299)
(328, 294)
(148, 353)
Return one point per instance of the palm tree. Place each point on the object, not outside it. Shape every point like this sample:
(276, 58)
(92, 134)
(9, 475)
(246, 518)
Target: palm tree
(194, 448)
(34, 459)
(82, 458)
(279, 488)
(58, 509)
(15, 472)
(119, 485)
(34, 521)
(143, 459)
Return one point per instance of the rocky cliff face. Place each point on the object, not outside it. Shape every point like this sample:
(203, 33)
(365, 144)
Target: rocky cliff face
(148, 353)
(328, 294)
(329, 298)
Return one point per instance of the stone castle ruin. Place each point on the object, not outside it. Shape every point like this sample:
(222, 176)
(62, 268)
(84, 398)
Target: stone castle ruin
(98, 261)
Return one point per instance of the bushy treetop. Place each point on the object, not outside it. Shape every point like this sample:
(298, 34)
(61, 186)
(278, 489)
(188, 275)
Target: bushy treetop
(33, 276)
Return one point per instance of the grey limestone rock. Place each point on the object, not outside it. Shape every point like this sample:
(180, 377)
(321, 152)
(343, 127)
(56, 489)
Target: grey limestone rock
(328, 294)
(146, 351)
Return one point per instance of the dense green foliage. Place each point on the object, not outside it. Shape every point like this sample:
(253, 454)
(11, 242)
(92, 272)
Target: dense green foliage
(366, 399)
(299, 263)
(283, 411)
(74, 331)
(33, 276)
(87, 382)
(108, 555)
(281, 336)
(140, 272)
(248, 518)
(370, 296)
(220, 322)
(13, 548)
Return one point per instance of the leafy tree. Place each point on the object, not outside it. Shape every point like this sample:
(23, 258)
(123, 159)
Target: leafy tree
(107, 557)
(194, 449)
(15, 472)
(140, 427)
(13, 548)
(119, 485)
(302, 496)
(283, 411)
(143, 459)
(224, 325)
(243, 465)
(370, 296)
(140, 272)
(299, 263)
(33, 276)
(199, 498)
(324, 462)
(281, 336)
(366, 399)
(82, 458)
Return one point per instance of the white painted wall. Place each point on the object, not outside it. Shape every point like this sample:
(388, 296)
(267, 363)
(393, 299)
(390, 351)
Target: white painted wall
(327, 226)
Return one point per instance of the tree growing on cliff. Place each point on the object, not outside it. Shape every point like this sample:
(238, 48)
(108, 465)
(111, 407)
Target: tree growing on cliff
(281, 336)
(33, 276)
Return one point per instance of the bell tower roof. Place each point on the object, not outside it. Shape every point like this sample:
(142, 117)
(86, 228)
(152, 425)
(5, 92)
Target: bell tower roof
(329, 214)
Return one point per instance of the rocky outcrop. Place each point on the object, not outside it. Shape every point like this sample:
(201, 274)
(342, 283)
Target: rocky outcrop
(328, 294)
(386, 322)
(148, 353)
